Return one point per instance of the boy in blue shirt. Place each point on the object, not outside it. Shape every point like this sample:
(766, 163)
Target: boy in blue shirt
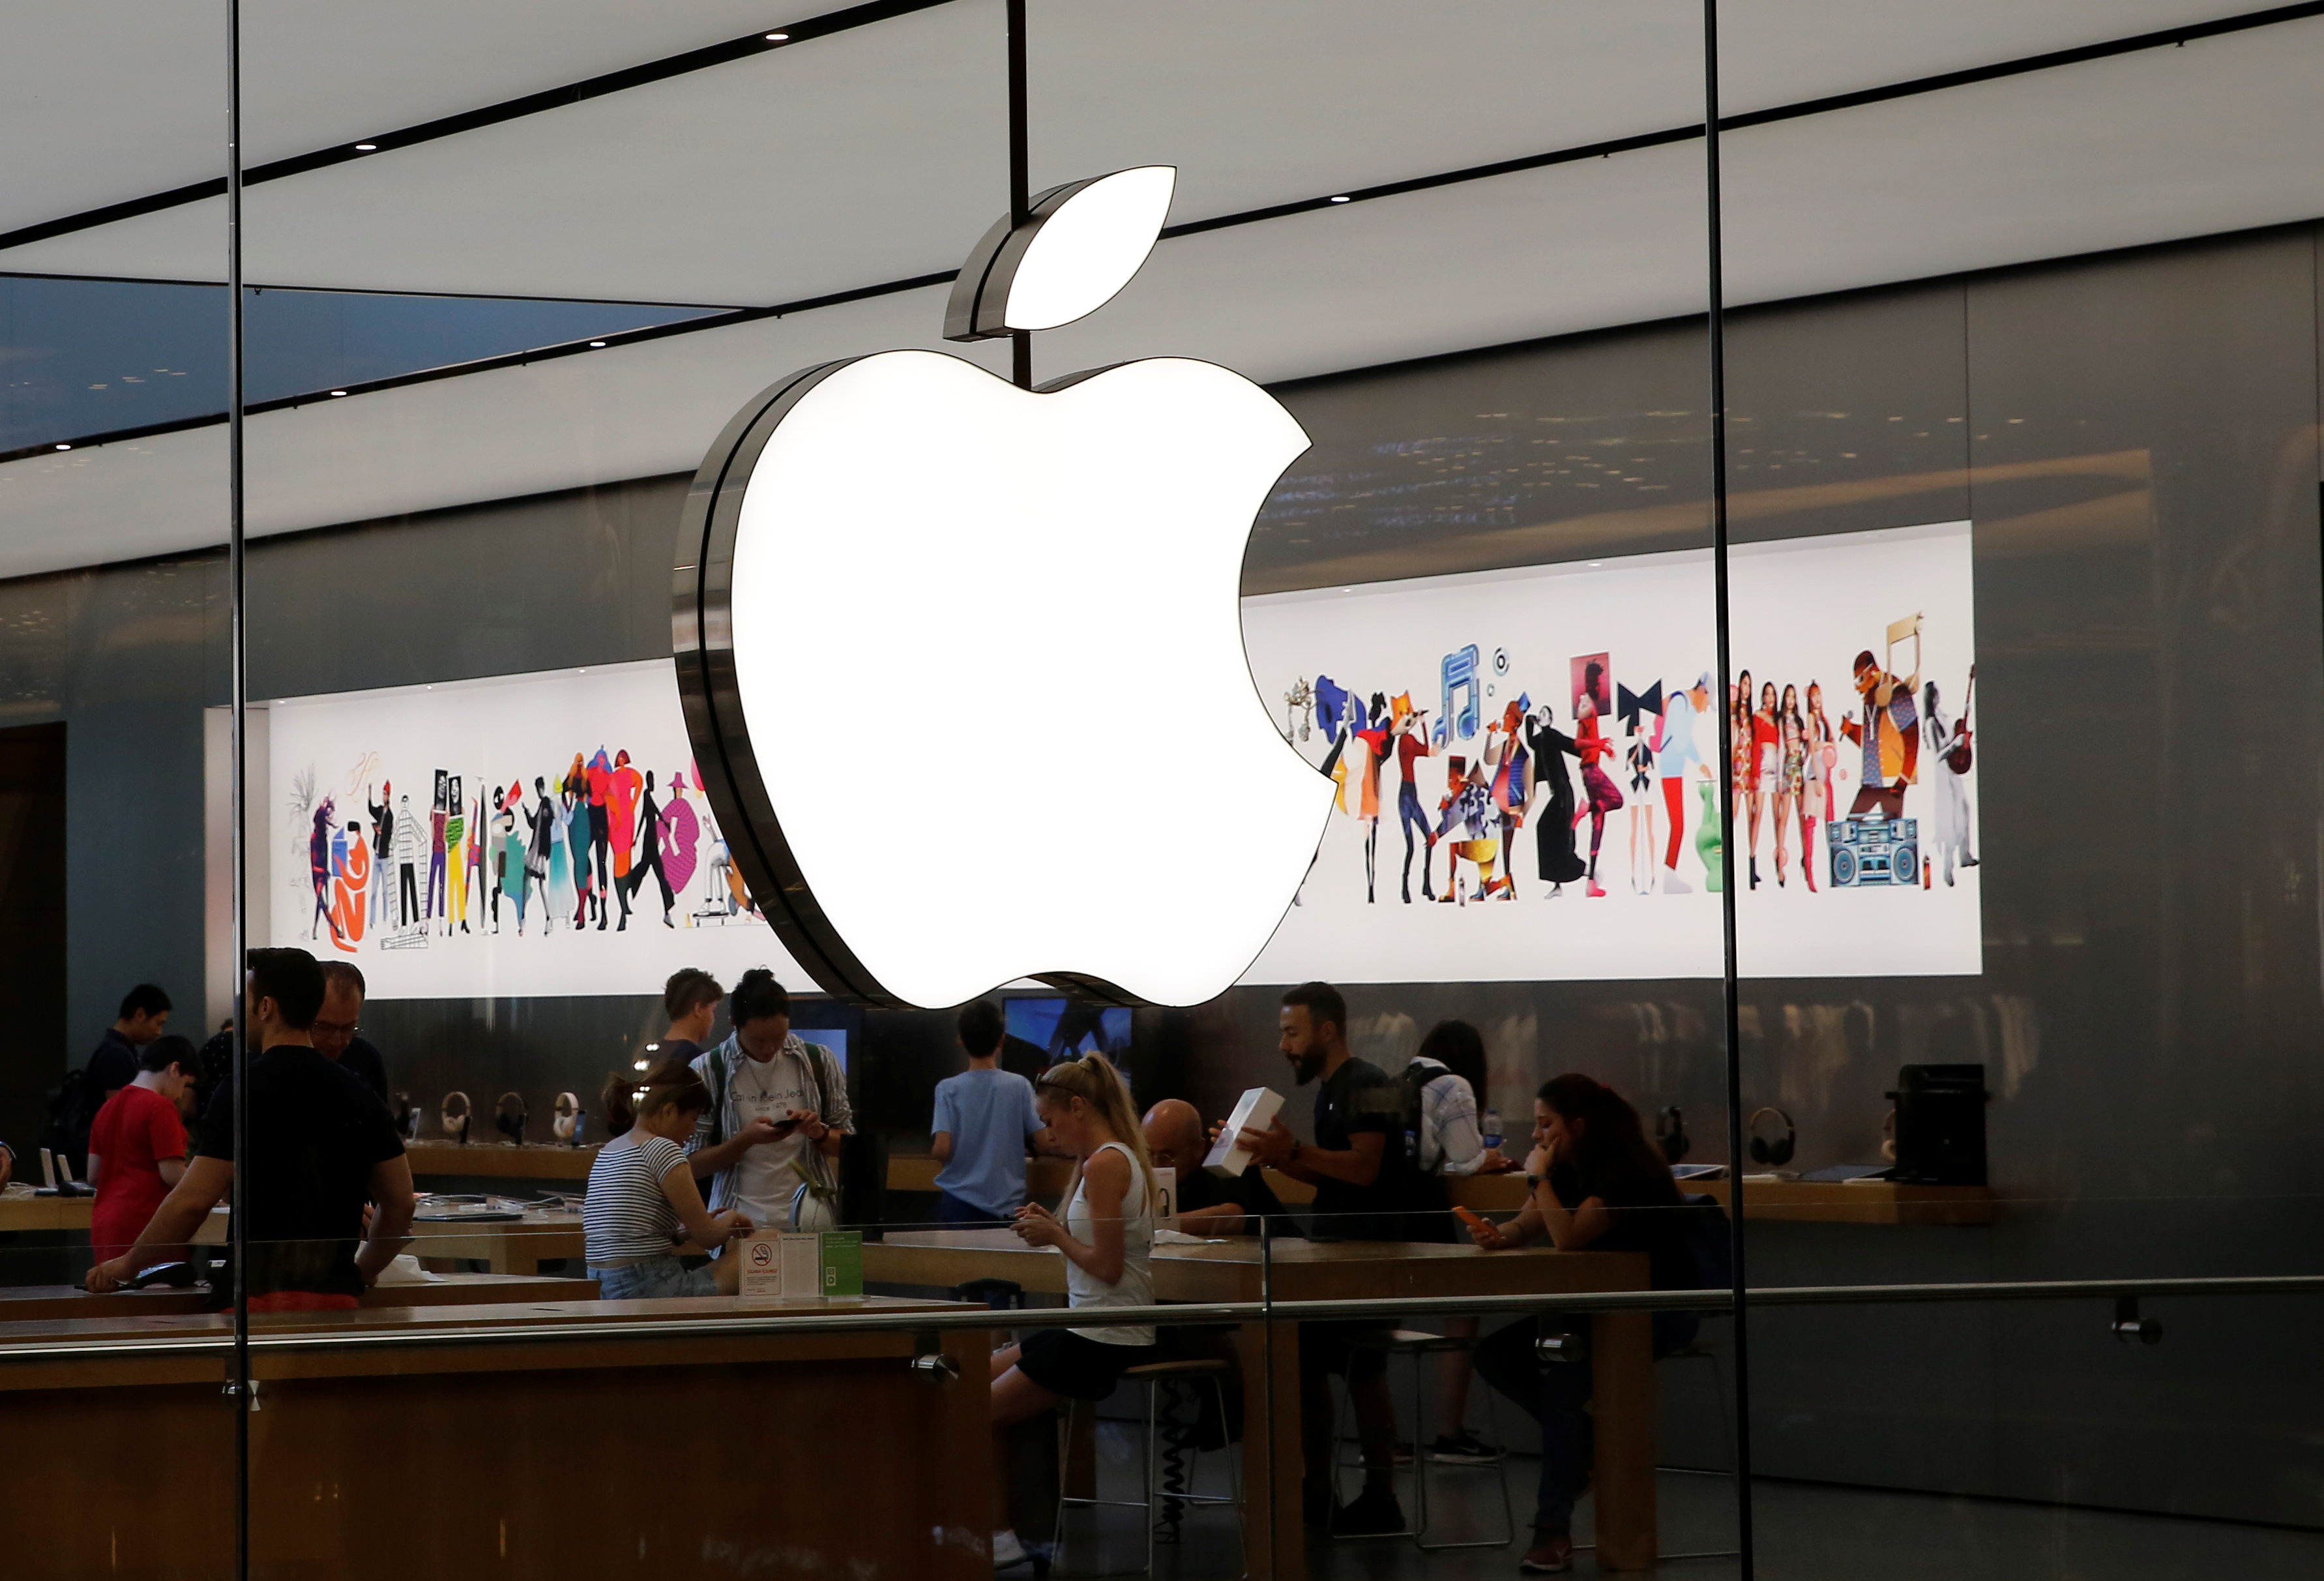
(984, 1117)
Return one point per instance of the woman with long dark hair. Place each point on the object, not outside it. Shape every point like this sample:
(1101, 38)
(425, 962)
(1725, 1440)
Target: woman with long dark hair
(1599, 1183)
(1743, 763)
(1790, 775)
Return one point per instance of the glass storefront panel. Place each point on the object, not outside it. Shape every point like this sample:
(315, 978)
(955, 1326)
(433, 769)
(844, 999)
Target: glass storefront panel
(621, 818)
(114, 822)
(2007, 341)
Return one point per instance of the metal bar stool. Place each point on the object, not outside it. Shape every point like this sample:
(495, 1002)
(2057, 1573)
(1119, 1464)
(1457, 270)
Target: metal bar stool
(1151, 1377)
(1416, 1344)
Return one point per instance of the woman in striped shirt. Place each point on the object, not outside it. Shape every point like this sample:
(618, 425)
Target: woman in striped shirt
(642, 1202)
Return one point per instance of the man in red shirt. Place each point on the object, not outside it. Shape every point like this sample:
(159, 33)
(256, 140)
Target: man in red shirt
(137, 1149)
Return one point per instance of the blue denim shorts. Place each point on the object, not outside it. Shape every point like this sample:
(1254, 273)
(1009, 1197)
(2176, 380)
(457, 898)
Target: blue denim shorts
(662, 1276)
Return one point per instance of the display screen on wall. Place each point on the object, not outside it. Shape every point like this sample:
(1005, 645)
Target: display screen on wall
(532, 833)
(1492, 734)
(1066, 1029)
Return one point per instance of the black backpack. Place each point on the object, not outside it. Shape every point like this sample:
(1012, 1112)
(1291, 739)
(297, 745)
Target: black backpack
(1411, 1083)
(72, 1110)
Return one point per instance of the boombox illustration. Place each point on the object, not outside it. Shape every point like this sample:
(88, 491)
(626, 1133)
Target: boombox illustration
(1870, 852)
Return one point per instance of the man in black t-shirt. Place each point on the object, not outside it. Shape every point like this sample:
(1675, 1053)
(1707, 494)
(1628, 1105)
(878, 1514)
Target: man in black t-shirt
(320, 1146)
(338, 1022)
(1357, 1199)
(112, 1066)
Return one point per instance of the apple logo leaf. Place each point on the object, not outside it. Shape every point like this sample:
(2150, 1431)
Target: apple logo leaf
(1080, 245)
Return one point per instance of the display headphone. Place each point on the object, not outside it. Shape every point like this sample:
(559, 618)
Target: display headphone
(1774, 1154)
(455, 1114)
(1670, 1134)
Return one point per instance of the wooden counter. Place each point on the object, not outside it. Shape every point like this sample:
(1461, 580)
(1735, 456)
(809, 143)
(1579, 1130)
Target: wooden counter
(500, 1161)
(817, 1453)
(1870, 1202)
(1231, 1269)
(70, 1303)
(1865, 1202)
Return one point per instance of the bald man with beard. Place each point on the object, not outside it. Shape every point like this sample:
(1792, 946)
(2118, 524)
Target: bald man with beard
(1208, 1204)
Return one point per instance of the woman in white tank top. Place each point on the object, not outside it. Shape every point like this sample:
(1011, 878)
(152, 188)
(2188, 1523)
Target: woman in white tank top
(1107, 1238)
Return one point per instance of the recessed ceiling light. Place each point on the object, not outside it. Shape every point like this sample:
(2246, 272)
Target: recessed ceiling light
(64, 447)
(777, 38)
(338, 391)
(597, 343)
(1340, 200)
(366, 148)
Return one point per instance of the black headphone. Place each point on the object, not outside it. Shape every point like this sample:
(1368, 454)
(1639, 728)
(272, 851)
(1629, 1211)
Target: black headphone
(1670, 1134)
(1774, 1154)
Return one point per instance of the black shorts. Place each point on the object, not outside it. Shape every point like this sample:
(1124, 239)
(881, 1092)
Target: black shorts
(1064, 1363)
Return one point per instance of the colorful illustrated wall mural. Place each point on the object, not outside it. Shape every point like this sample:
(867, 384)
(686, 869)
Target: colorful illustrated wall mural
(535, 834)
(1525, 765)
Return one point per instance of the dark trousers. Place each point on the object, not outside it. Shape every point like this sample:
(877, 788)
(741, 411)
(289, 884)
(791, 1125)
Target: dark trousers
(1555, 1395)
(1323, 1350)
(957, 1214)
(649, 859)
(1888, 798)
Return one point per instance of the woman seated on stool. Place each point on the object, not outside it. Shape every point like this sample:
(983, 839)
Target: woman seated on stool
(643, 1200)
(1108, 1240)
(1594, 1173)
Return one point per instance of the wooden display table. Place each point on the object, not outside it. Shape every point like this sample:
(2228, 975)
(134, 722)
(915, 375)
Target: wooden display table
(1853, 1202)
(819, 1453)
(43, 1303)
(503, 1245)
(485, 1161)
(1869, 1202)
(1231, 1270)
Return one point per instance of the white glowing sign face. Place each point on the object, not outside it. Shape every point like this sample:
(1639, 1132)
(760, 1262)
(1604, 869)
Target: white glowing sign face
(1020, 611)
(1090, 248)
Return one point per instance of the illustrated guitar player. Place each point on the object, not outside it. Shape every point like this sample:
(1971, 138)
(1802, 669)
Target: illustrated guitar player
(1960, 754)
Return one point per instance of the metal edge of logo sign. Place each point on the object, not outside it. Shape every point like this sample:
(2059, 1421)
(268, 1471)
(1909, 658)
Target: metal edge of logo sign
(702, 651)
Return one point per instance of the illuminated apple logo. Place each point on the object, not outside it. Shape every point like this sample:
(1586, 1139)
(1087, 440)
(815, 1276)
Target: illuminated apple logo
(963, 662)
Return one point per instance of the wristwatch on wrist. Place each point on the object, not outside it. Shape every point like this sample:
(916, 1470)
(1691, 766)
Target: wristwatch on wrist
(1533, 1181)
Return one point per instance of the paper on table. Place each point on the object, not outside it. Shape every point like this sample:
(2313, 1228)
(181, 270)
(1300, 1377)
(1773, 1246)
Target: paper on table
(405, 1270)
(1180, 1238)
(1254, 1111)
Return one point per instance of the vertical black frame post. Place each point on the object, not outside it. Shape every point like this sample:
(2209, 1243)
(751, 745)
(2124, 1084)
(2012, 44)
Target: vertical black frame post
(1020, 180)
(1722, 619)
(239, 1381)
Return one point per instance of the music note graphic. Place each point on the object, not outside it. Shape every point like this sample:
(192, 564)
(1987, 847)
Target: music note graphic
(1459, 674)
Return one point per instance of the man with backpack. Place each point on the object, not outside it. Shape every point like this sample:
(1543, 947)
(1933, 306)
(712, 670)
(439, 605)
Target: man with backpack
(144, 1016)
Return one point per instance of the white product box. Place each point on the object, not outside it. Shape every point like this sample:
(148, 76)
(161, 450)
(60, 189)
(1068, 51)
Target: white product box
(1254, 1111)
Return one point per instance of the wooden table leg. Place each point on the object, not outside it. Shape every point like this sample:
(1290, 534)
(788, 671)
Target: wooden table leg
(1623, 1403)
(1275, 1544)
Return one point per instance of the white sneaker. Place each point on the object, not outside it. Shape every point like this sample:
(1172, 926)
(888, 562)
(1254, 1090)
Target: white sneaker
(1007, 1551)
(1673, 884)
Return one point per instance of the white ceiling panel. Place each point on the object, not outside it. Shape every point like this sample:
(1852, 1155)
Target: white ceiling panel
(2164, 144)
(2217, 136)
(632, 411)
(105, 100)
(876, 154)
